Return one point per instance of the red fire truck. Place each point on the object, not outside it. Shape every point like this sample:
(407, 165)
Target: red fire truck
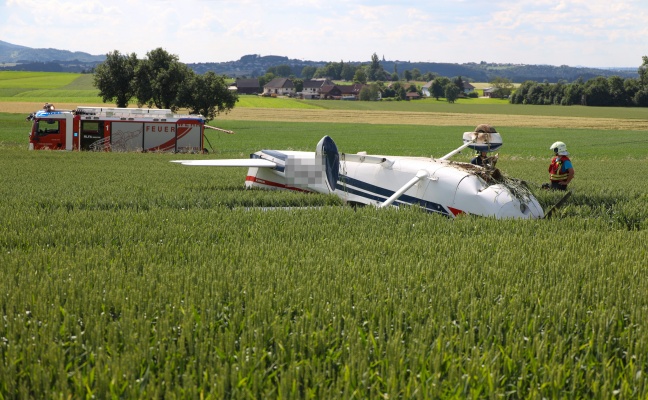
(115, 129)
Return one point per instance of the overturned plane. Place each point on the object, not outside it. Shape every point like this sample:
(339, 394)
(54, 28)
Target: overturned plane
(437, 185)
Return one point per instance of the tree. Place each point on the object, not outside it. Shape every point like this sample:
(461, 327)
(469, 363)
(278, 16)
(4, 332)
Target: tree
(573, 93)
(401, 93)
(618, 95)
(641, 98)
(451, 92)
(299, 84)
(266, 78)
(416, 74)
(308, 72)
(502, 87)
(375, 69)
(369, 93)
(407, 75)
(159, 79)
(597, 92)
(643, 73)
(360, 76)
(348, 71)
(459, 83)
(438, 86)
(282, 71)
(115, 78)
(207, 95)
(631, 87)
(429, 76)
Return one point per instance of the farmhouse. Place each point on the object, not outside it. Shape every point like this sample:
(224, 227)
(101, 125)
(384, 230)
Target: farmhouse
(247, 86)
(330, 92)
(351, 92)
(279, 87)
(468, 88)
(312, 88)
(412, 96)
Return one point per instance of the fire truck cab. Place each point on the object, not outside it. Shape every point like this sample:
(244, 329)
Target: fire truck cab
(115, 129)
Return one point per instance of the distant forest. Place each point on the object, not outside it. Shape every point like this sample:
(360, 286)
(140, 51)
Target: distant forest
(21, 58)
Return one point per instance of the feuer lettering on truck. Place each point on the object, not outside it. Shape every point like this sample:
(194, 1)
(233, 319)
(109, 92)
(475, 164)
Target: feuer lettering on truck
(160, 128)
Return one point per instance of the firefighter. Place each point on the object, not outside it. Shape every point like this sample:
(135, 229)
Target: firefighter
(561, 171)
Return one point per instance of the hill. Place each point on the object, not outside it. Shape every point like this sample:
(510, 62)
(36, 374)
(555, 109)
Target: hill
(15, 57)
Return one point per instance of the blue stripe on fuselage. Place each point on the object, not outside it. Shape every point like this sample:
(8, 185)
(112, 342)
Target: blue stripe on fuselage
(273, 153)
(380, 194)
(276, 154)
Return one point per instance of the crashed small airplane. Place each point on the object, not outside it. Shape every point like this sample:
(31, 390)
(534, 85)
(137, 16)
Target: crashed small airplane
(437, 185)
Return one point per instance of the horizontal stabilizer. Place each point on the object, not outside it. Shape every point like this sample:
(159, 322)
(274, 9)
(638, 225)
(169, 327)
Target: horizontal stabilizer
(242, 162)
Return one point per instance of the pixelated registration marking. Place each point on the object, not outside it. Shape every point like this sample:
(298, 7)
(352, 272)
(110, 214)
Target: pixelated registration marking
(302, 172)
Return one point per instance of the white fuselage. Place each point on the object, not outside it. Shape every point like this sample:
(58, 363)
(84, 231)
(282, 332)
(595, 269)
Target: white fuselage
(444, 186)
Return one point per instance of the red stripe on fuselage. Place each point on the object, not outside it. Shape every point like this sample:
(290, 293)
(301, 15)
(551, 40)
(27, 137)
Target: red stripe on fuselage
(254, 179)
(455, 211)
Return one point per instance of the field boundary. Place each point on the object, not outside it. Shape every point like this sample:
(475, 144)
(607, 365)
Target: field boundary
(389, 117)
(431, 118)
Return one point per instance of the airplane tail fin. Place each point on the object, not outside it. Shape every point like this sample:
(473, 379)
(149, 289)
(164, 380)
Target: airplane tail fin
(317, 171)
(327, 152)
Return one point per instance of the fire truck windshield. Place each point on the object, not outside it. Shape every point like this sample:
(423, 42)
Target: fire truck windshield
(47, 126)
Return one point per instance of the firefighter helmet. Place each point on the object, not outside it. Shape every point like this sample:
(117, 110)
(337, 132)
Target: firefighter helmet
(559, 147)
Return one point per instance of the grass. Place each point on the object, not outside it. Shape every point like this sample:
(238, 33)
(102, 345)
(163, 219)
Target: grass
(127, 285)
(128, 276)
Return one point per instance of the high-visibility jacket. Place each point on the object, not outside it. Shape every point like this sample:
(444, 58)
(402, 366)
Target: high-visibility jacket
(556, 172)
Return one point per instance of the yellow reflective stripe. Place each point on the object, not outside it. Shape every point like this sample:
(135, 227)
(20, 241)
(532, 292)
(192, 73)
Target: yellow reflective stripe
(558, 177)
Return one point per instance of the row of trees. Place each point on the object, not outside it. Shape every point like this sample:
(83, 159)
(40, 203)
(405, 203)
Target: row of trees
(361, 73)
(600, 91)
(160, 79)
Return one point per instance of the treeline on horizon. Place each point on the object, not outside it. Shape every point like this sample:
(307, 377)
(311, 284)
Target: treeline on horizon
(600, 91)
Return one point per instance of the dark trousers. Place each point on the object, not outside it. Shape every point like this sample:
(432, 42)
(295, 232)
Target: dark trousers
(557, 186)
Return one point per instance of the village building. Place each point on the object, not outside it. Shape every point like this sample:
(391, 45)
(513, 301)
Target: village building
(312, 88)
(279, 87)
(247, 86)
(330, 92)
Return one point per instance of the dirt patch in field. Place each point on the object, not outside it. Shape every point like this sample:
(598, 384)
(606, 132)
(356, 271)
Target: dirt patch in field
(432, 118)
(391, 117)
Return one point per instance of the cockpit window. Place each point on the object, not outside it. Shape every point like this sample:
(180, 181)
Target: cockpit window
(48, 126)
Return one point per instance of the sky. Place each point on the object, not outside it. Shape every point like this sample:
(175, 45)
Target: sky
(591, 33)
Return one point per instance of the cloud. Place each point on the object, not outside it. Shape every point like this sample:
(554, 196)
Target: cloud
(573, 32)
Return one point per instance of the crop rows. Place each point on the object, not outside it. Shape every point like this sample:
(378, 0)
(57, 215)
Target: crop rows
(124, 275)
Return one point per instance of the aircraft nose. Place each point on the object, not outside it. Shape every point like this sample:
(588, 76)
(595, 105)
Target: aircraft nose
(520, 210)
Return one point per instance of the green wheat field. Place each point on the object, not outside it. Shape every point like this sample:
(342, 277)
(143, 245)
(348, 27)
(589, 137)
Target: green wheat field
(126, 276)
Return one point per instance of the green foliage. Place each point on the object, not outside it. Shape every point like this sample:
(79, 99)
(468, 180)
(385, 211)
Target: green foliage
(599, 91)
(438, 86)
(206, 94)
(115, 78)
(360, 76)
(451, 92)
(308, 72)
(369, 93)
(502, 87)
(159, 79)
(282, 71)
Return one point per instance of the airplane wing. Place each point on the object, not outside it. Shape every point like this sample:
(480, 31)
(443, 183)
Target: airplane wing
(243, 162)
